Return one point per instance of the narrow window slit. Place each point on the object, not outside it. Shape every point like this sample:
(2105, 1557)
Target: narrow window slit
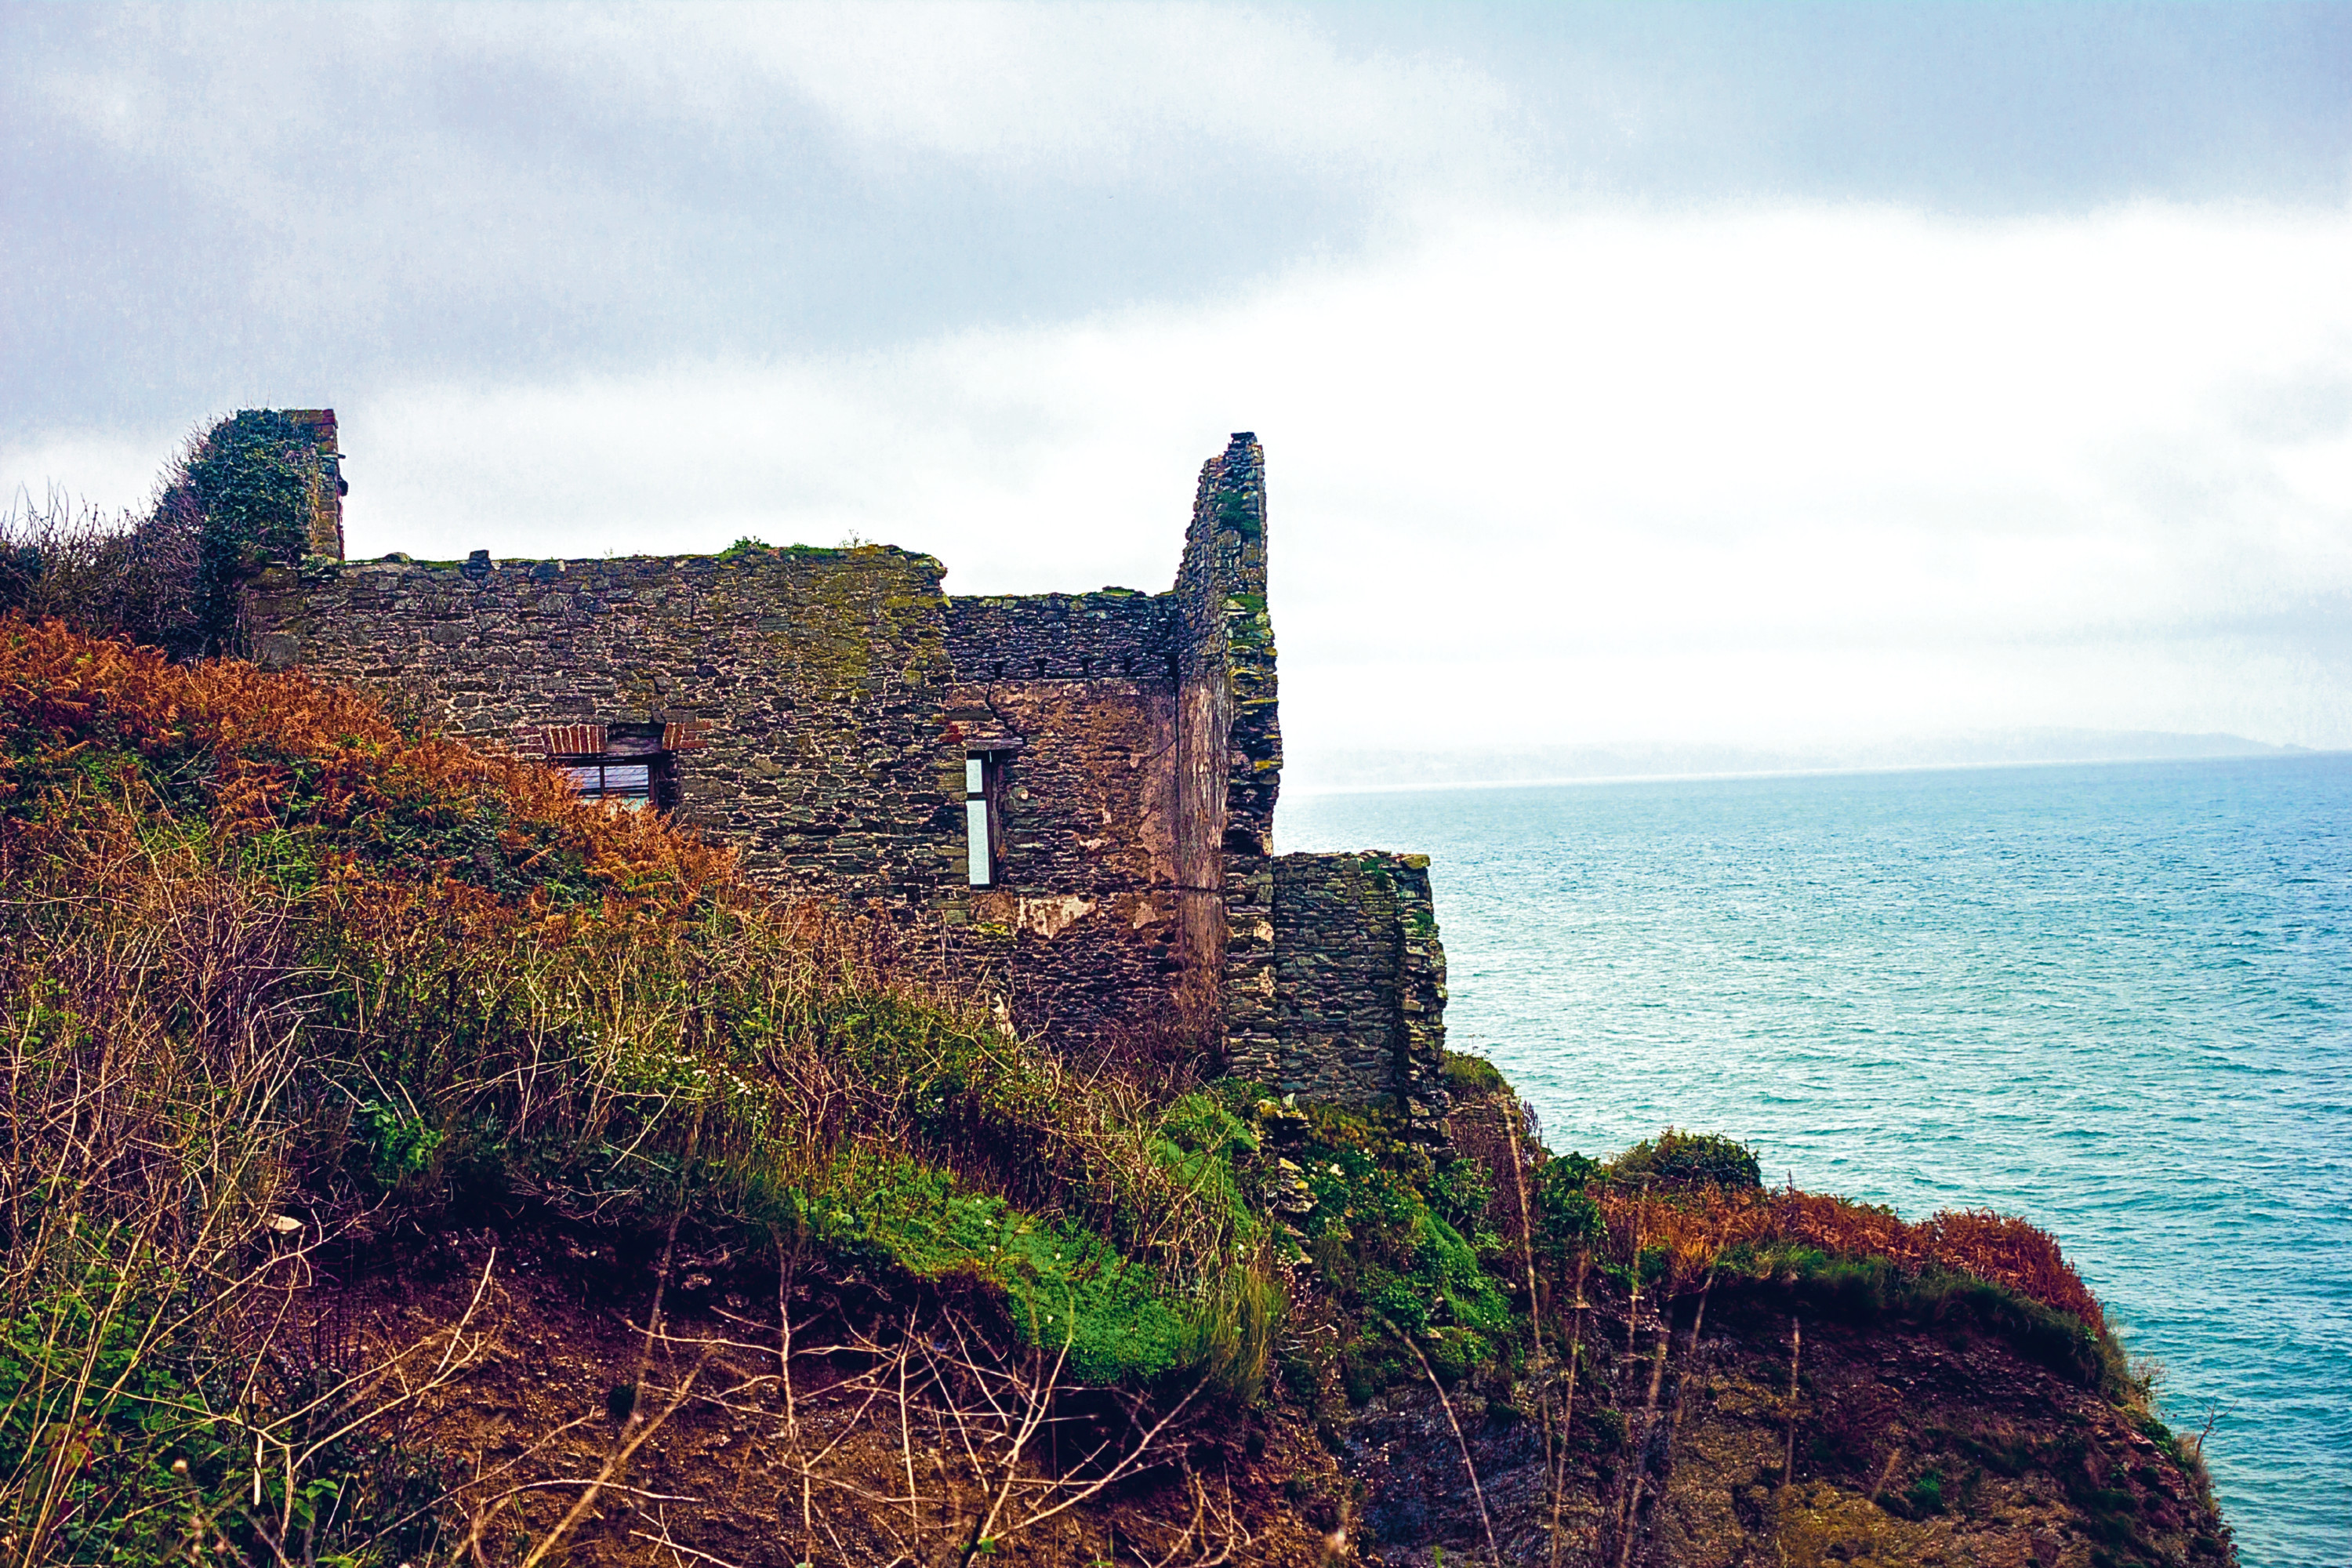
(980, 863)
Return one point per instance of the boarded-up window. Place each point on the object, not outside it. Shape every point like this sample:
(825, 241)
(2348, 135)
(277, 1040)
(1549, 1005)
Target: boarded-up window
(629, 766)
(624, 781)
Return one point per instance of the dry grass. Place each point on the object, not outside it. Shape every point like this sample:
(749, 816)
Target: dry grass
(246, 752)
(1695, 1228)
(275, 976)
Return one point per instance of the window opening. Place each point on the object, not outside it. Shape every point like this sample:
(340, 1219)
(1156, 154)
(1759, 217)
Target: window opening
(628, 783)
(629, 766)
(980, 857)
(983, 811)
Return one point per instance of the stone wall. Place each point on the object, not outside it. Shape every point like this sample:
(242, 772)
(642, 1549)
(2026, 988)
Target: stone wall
(1360, 985)
(1073, 698)
(833, 696)
(812, 677)
(1229, 762)
(831, 699)
(325, 524)
(1116, 634)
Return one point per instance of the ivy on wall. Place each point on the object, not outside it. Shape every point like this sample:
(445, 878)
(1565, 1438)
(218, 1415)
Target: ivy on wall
(249, 486)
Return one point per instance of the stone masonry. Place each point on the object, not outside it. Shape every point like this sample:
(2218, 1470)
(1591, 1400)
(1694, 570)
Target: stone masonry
(818, 709)
(1359, 984)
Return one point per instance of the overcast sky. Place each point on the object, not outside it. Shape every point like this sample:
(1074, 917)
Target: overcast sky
(1625, 373)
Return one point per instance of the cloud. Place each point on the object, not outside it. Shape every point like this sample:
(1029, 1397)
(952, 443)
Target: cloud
(1606, 474)
(235, 203)
(1109, 93)
(230, 199)
(1092, 94)
(990, 281)
(112, 473)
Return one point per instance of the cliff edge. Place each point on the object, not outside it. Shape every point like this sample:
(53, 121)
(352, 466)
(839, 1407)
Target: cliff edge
(413, 1163)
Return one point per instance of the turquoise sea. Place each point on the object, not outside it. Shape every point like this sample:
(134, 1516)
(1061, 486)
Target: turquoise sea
(2116, 999)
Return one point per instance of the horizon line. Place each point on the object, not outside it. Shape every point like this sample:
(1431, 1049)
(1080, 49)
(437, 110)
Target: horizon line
(2281, 754)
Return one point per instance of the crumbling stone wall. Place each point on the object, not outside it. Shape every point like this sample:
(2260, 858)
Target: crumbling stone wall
(1075, 698)
(1116, 634)
(325, 529)
(1229, 763)
(831, 699)
(833, 696)
(1360, 985)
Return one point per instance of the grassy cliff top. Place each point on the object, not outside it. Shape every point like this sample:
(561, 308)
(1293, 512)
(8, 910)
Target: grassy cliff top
(309, 1023)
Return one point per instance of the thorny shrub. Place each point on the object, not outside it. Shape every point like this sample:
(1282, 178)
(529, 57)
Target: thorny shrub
(125, 575)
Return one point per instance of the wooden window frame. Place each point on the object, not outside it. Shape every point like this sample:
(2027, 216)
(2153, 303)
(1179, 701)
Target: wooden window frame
(632, 745)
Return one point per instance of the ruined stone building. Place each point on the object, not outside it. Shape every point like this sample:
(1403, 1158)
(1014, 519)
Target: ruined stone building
(1077, 790)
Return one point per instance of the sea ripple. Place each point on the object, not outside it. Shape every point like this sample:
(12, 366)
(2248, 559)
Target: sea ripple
(2115, 999)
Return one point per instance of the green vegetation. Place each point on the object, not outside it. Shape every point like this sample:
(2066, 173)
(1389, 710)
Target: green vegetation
(240, 497)
(1237, 509)
(249, 485)
(1683, 1158)
(1567, 1219)
(1386, 1244)
(1473, 1076)
(277, 976)
(1863, 1290)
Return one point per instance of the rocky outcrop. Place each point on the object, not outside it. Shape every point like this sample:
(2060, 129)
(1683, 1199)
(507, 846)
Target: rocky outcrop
(1905, 1443)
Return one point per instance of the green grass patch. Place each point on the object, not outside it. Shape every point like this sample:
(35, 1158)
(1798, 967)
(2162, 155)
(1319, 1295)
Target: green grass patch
(1863, 1291)
(1675, 1158)
(1066, 1290)
(1391, 1260)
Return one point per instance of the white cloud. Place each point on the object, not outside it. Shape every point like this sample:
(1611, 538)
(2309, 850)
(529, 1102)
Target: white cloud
(112, 473)
(1093, 94)
(1104, 92)
(1733, 474)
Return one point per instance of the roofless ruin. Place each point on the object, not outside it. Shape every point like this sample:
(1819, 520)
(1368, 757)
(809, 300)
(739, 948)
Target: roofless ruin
(1070, 793)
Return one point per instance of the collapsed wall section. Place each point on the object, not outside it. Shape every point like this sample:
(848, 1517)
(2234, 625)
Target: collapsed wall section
(1360, 985)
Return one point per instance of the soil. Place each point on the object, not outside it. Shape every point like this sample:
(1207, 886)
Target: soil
(1905, 1444)
(555, 1342)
